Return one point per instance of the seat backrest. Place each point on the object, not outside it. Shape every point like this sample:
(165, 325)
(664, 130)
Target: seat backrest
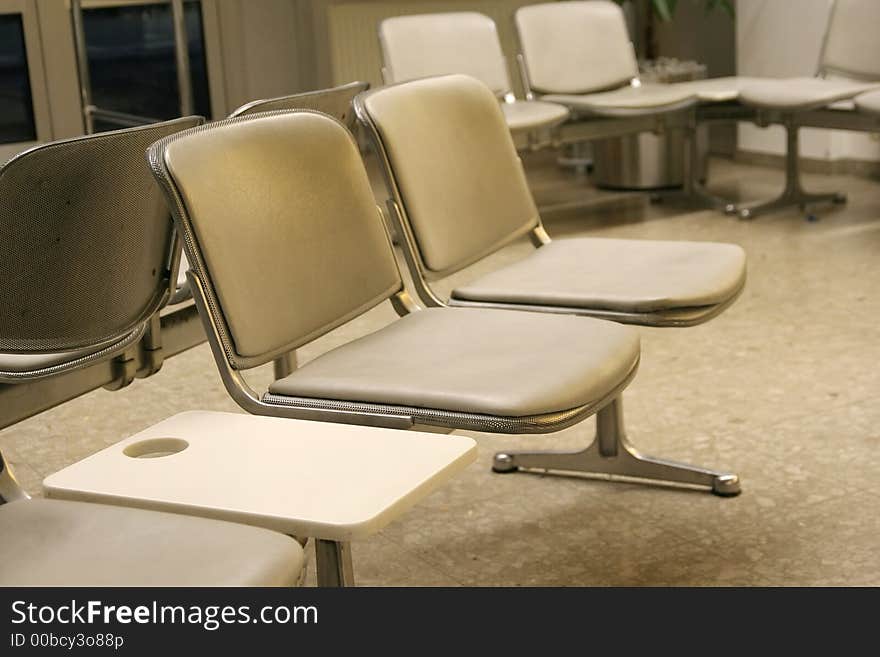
(280, 226)
(86, 243)
(576, 47)
(453, 167)
(424, 45)
(335, 101)
(852, 42)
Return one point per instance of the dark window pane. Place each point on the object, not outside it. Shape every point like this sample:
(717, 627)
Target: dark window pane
(16, 104)
(131, 60)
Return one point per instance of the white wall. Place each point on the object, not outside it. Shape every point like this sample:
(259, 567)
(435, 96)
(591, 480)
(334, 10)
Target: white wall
(783, 38)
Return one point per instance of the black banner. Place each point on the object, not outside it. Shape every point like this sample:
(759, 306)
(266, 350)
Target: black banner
(150, 621)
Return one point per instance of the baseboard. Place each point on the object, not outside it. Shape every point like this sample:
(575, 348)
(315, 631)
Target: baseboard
(861, 168)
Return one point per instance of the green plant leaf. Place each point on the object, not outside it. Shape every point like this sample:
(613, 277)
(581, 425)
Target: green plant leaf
(726, 5)
(664, 9)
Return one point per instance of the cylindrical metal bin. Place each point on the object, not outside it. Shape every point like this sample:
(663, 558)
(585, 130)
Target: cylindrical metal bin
(649, 161)
(646, 161)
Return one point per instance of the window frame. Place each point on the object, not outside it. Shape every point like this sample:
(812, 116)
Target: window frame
(33, 46)
(211, 41)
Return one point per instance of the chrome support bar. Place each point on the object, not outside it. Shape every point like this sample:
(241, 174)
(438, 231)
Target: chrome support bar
(122, 119)
(181, 55)
(178, 330)
(285, 365)
(612, 456)
(10, 489)
(693, 188)
(333, 563)
(793, 193)
(523, 70)
(82, 65)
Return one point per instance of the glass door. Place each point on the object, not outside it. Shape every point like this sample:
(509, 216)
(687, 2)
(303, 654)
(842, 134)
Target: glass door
(24, 112)
(140, 61)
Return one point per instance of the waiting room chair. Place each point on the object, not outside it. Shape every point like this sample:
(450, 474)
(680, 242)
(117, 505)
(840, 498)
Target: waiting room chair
(88, 257)
(470, 198)
(460, 42)
(849, 66)
(286, 243)
(62, 543)
(466, 200)
(579, 54)
(846, 69)
(582, 47)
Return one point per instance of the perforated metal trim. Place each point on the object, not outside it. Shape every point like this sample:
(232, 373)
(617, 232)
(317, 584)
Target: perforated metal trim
(546, 423)
(82, 361)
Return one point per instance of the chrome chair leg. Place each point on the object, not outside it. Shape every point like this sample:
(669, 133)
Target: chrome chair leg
(284, 365)
(612, 456)
(577, 157)
(10, 489)
(693, 192)
(793, 193)
(701, 197)
(333, 563)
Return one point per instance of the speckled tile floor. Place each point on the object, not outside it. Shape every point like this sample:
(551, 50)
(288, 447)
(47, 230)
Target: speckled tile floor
(784, 389)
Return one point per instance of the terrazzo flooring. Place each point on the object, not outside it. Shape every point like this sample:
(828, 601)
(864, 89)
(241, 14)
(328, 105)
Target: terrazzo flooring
(783, 389)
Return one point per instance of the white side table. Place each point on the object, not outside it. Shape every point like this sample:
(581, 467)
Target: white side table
(333, 482)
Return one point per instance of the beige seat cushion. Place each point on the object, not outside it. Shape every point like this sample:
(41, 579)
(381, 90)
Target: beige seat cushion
(801, 94)
(628, 100)
(631, 276)
(533, 114)
(59, 543)
(716, 90)
(494, 362)
(869, 103)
